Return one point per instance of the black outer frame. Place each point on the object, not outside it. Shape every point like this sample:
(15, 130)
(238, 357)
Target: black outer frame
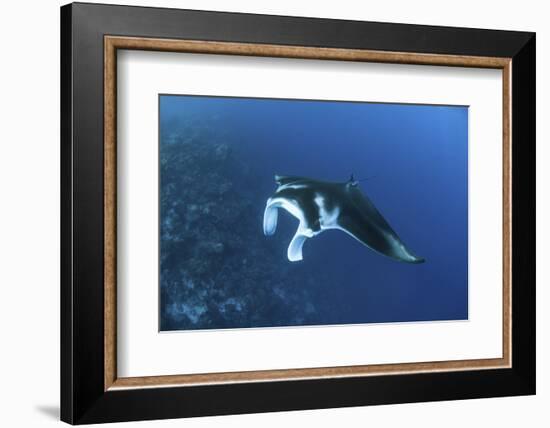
(83, 399)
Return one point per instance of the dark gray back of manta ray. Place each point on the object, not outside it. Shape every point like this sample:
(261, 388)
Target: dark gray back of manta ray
(360, 218)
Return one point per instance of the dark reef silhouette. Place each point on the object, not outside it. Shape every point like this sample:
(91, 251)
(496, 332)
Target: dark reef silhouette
(216, 268)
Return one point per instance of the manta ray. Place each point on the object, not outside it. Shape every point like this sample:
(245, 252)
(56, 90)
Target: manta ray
(321, 205)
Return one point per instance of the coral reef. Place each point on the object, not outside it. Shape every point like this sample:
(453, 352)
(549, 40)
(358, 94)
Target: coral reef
(217, 270)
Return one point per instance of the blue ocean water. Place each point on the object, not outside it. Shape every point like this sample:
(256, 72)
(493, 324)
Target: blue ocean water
(218, 158)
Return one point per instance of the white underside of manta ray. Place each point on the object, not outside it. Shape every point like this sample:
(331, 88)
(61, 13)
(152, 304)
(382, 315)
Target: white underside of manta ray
(320, 205)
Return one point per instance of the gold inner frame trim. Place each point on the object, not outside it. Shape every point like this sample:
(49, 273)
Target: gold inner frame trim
(113, 43)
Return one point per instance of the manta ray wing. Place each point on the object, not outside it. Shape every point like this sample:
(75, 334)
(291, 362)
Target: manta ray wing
(360, 219)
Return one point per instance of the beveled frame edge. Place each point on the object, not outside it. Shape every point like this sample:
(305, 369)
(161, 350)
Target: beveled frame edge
(113, 43)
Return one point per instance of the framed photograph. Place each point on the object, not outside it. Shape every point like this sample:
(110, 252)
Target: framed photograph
(265, 213)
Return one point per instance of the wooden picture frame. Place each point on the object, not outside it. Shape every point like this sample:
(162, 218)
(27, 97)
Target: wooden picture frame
(91, 390)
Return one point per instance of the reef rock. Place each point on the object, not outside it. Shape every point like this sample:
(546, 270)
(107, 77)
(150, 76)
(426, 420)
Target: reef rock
(217, 270)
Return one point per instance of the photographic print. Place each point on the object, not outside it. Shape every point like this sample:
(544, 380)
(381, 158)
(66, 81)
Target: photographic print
(291, 212)
(291, 184)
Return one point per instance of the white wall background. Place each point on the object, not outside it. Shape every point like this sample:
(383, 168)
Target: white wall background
(29, 213)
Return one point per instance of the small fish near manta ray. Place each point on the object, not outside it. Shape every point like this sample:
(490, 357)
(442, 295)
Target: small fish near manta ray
(321, 205)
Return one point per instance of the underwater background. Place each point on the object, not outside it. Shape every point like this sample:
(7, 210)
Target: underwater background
(218, 158)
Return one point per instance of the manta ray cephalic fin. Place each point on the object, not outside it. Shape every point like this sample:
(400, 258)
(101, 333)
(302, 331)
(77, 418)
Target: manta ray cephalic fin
(271, 214)
(294, 252)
